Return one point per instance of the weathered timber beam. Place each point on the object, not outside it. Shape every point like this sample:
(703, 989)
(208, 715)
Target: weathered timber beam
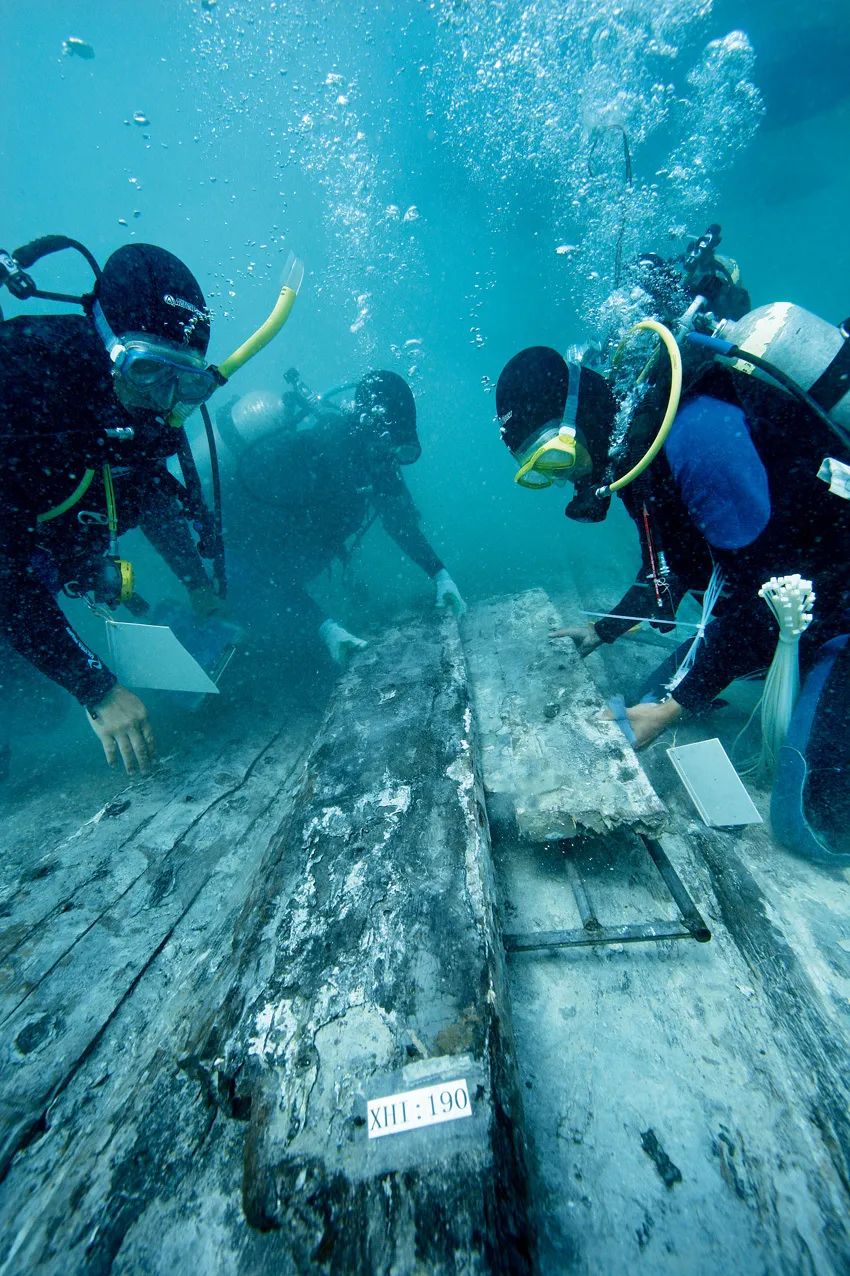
(803, 1027)
(369, 965)
(128, 1135)
(546, 753)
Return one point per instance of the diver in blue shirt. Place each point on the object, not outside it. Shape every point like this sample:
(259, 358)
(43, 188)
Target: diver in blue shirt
(734, 488)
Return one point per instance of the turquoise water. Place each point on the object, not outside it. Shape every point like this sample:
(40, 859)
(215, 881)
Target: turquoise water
(452, 175)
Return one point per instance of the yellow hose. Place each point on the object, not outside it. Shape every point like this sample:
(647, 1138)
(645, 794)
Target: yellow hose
(111, 507)
(652, 325)
(77, 495)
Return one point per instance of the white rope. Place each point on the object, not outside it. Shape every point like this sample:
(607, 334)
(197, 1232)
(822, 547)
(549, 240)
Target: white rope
(709, 601)
(648, 620)
(790, 599)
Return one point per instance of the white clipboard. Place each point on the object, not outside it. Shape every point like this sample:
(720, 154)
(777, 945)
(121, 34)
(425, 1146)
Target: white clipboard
(151, 656)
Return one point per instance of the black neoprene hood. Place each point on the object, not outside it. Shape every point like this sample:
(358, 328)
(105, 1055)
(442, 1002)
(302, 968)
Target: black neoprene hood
(147, 289)
(389, 398)
(532, 391)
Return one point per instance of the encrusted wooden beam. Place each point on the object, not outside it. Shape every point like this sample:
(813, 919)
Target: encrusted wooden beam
(370, 995)
(546, 754)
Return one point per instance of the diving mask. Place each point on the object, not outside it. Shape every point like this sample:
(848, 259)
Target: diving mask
(155, 374)
(550, 459)
(407, 453)
(550, 455)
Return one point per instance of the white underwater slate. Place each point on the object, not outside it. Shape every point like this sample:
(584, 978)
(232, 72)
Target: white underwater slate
(545, 750)
(714, 785)
(152, 656)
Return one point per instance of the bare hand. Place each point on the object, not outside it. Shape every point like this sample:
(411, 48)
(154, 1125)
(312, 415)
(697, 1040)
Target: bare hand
(121, 724)
(584, 637)
(649, 720)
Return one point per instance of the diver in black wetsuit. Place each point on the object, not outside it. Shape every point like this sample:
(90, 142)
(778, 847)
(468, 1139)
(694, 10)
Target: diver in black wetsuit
(84, 435)
(735, 487)
(309, 484)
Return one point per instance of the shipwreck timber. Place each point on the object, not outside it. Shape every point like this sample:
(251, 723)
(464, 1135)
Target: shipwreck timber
(238, 995)
(364, 962)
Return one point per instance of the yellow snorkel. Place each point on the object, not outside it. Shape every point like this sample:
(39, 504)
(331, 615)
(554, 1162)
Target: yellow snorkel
(272, 326)
(651, 325)
(266, 332)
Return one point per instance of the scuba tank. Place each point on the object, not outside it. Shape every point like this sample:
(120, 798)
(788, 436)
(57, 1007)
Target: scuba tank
(247, 421)
(260, 428)
(258, 412)
(815, 354)
(782, 343)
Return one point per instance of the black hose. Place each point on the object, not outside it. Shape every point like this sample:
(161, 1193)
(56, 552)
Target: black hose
(789, 384)
(207, 525)
(218, 558)
(28, 254)
(627, 184)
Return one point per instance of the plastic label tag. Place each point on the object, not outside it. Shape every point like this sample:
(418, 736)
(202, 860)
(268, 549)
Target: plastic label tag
(414, 1109)
(837, 475)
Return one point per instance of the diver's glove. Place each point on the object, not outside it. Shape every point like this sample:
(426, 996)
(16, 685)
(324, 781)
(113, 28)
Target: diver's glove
(448, 594)
(339, 642)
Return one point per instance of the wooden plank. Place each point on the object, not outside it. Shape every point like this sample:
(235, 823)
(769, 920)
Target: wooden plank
(688, 1111)
(130, 1124)
(74, 884)
(365, 960)
(376, 971)
(77, 966)
(172, 798)
(813, 1040)
(545, 750)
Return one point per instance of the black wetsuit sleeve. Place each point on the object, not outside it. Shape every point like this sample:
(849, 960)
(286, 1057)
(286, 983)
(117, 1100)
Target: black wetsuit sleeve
(740, 640)
(400, 518)
(55, 398)
(34, 624)
(298, 607)
(636, 601)
(294, 608)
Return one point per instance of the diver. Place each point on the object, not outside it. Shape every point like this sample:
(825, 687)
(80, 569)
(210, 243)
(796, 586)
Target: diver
(694, 290)
(309, 478)
(727, 494)
(91, 406)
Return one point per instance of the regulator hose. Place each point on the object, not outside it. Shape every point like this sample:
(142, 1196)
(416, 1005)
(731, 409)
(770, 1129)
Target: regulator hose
(727, 350)
(652, 325)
